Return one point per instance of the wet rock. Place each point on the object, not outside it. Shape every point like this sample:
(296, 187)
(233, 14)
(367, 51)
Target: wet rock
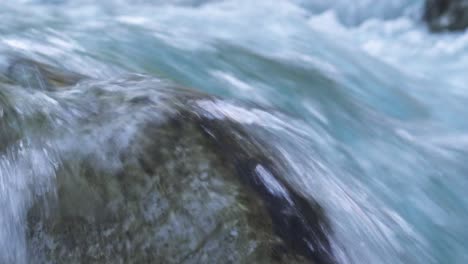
(190, 186)
(446, 15)
(35, 75)
(9, 131)
(17, 71)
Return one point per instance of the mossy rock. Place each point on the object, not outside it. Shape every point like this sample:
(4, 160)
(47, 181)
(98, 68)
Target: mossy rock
(191, 186)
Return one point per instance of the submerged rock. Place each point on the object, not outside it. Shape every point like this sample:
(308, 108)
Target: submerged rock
(448, 15)
(32, 74)
(19, 71)
(187, 184)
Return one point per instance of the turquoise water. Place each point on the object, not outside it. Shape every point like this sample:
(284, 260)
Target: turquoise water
(365, 104)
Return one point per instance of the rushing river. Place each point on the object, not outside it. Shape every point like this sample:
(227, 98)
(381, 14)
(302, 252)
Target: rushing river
(365, 104)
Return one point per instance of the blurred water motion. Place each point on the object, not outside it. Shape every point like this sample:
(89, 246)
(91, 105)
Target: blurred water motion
(367, 106)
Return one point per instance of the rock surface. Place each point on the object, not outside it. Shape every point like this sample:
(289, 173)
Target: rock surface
(26, 73)
(32, 74)
(446, 15)
(189, 185)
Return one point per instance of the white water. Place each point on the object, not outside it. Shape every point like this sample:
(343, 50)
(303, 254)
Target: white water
(378, 133)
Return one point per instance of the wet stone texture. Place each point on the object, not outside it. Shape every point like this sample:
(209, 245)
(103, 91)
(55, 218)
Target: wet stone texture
(174, 201)
(446, 15)
(187, 188)
(19, 72)
(36, 75)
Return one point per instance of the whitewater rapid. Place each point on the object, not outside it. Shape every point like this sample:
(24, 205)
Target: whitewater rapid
(372, 104)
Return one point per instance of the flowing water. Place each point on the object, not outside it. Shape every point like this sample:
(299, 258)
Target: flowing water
(367, 106)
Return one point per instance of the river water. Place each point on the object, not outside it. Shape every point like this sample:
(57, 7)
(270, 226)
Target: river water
(366, 105)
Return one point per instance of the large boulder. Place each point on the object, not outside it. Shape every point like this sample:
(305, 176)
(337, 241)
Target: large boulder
(169, 178)
(446, 15)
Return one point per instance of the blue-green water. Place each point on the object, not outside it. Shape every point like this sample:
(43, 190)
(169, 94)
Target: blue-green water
(366, 105)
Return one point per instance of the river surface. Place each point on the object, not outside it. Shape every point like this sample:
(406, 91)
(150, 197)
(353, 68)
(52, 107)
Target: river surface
(368, 107)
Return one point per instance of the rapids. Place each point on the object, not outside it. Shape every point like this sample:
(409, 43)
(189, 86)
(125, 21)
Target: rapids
(365, 104)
